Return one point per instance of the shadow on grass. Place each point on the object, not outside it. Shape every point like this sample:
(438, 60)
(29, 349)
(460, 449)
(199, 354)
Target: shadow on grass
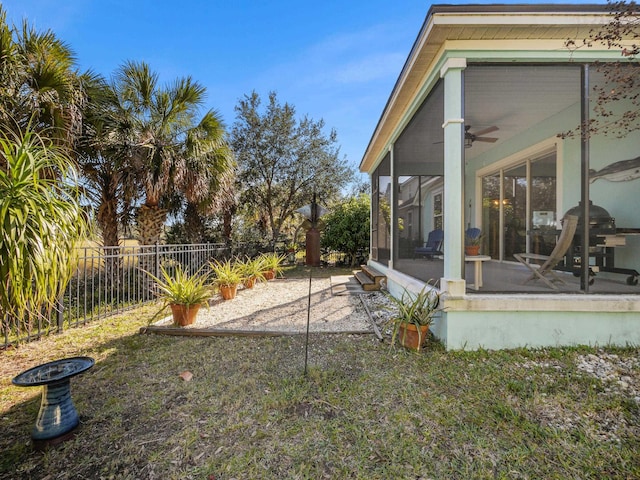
(137, 415)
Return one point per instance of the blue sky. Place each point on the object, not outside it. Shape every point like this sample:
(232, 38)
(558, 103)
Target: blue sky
(331, 60)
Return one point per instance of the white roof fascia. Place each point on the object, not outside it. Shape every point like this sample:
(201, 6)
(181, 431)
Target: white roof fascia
(529, 19)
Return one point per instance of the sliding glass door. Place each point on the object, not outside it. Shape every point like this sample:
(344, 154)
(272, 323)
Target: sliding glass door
(519, 208)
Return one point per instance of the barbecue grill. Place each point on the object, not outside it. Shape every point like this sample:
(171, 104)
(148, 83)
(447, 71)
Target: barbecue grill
(602, 240)
(600, 222)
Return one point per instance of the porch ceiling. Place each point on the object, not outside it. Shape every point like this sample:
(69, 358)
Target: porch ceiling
(515, 99)
(511, 98)
(525, 27)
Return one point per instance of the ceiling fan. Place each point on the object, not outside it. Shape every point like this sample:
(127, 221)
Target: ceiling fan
(470, 137)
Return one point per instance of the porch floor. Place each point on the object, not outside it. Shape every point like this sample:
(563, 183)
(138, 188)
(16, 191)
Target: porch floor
(504, 277)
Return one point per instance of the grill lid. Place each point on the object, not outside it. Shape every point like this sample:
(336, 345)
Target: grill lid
(598, 216)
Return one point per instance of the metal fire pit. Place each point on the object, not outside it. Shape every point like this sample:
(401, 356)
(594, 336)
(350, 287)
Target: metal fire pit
(57, 417)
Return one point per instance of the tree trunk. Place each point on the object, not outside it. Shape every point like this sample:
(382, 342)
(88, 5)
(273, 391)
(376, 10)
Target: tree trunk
(150, 221)
(194, 226)
(108, 222)
(227, 225)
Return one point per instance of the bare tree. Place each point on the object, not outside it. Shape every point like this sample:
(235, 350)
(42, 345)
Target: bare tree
(619, 84)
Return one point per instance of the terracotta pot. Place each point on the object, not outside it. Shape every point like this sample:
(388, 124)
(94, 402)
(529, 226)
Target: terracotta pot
(409, 337)
(228, 292)
(472, 250)
(269, 275)
(184, 314)
(249, 282)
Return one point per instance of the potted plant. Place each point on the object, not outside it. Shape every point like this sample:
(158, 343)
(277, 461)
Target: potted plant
(292, 248)
(472, 244)
(184, 293)
(228, 276)
(415, 315)
(252, 270)
(272, 264)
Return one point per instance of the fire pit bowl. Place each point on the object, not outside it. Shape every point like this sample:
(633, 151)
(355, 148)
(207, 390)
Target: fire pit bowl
(57, 417)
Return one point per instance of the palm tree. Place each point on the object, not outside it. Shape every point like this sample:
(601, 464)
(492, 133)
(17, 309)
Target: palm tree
(207, 182)
(169, 148)
(42, 221)
(103, 158)
(39, 87)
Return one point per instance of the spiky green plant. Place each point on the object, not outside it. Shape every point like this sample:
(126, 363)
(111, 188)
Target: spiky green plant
(273, 261)
(416, 309)
(181, 288)
(227, 273)
(42, 220)
(252, 268)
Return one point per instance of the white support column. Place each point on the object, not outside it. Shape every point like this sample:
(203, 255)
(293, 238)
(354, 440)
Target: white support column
(453, 281)
(394, 210)
(371, 192)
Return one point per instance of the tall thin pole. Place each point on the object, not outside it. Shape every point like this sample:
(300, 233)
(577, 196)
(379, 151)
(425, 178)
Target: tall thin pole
(584, 179)
(306, 341)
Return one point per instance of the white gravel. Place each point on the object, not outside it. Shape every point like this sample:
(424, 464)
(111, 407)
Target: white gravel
(282, 305)
(616, 373)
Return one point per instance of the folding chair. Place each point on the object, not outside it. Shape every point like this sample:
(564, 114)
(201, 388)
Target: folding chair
(545, 271)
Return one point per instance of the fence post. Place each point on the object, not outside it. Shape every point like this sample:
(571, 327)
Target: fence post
(60, 313)
(157, 269)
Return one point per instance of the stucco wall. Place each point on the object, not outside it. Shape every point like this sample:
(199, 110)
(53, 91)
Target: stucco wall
(471, 330)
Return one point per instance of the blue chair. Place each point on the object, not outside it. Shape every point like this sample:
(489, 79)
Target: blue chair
(472, 233)
(433, 245)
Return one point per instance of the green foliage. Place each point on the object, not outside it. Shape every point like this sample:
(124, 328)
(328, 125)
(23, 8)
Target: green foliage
(273, 262)
(419, 308)
(282, 161)
(416, 309)
(227, 273)
(473, 241)
(252, 267)
(182, 288)
(347, 226)
(174, 151)
(40, 89)
(42, 220)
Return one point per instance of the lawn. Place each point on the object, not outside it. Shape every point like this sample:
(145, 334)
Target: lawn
(364, 410)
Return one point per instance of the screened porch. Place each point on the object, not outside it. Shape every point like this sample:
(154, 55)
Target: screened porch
(523, 167)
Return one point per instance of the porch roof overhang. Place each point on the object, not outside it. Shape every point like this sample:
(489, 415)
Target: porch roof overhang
(515, 28)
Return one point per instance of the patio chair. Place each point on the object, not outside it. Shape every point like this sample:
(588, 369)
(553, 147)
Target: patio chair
(545, 271)
(433, 245)
(472, 233)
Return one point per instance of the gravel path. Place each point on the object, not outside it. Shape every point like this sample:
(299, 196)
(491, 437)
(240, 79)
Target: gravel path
(281, 305)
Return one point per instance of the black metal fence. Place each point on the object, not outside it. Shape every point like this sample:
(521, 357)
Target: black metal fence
(109, 280)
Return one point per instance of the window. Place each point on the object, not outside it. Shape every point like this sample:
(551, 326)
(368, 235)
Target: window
(438, 222)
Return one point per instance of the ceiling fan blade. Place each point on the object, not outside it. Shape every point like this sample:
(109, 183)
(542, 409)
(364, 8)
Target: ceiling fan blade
(484, 131)
(485, 139)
